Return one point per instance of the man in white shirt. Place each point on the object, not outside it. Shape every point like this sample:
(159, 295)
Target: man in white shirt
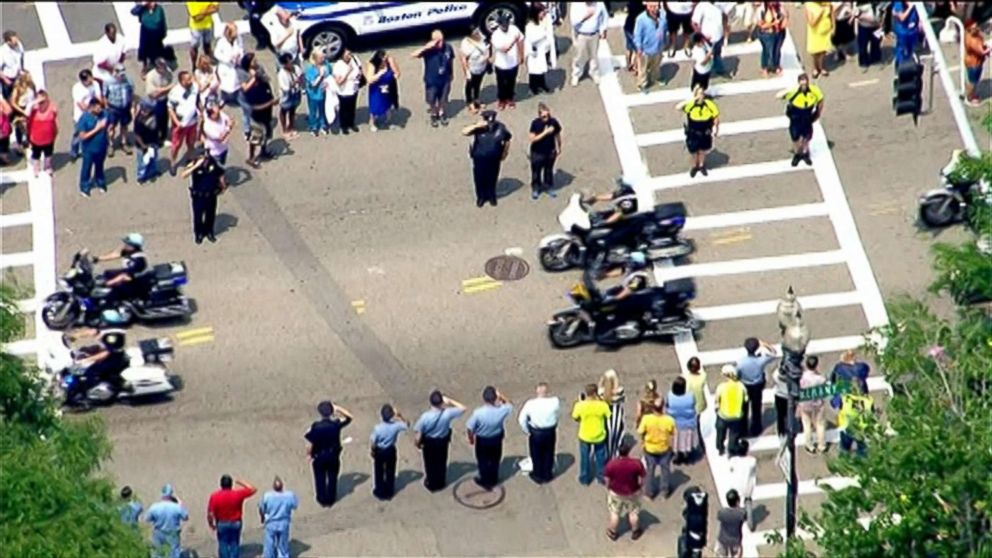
(82, 91)
(710, 21)
(11, 61)
(284, 33)
(108, 53)
(228, 51)
(589, 21)
(539, 419)
(184, 114)
(743, 476)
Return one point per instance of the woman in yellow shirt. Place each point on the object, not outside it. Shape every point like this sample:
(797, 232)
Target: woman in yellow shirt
(819, 28)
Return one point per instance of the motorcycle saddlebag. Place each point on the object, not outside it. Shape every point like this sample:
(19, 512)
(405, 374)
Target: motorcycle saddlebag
(680, 290)
(169, 275)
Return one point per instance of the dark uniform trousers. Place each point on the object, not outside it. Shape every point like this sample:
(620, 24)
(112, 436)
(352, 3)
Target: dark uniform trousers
(435, 451)
(204, 213)
(542, 171)
(488, 455)
(753, 426)
(384, 472)
(542, 453)
(485, 172)
(326, 466)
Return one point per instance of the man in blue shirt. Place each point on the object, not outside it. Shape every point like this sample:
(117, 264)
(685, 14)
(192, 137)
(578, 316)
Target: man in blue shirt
(276, 510)
(650, 31)
(92, 133)
(751, 372)
(433, 430)
(130, 507)
(485, 432)
(382, 444)
(906, 26)
(166, 516)
(438, 65)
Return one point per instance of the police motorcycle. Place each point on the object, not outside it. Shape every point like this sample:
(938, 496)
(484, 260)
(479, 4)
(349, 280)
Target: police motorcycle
(949, 203)
(124, 373)
(84, 298)
(626, 313)
(586, 234)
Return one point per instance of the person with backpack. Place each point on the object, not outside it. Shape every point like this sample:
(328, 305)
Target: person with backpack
(803, 106)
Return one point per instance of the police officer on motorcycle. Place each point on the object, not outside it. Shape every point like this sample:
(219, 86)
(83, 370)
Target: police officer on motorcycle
(624, 200)
(132, 253)
(103, 363)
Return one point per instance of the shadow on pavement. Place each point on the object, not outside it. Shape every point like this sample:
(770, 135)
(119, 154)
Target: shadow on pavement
(349, 482)
(562, 179)
(507, 186)
(236, 176)
(458, 469)
(224, 223)
(254, 550)
(716, 159)
(563, 462)
(760, 513)
(508, 467)
(406, 478)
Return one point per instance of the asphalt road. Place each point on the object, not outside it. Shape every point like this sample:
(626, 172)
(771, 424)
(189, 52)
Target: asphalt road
(388, 218)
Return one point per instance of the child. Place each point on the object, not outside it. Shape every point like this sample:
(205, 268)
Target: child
(702, 58)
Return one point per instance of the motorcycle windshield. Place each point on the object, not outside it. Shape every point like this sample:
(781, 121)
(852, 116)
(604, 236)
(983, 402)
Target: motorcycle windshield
(574, 216)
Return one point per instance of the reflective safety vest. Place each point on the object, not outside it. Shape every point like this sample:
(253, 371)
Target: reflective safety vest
(701, 116)
(854, 410)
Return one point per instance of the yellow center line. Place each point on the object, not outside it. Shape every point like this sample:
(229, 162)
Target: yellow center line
(357, 303)
(194, 332)
(480, 288)
(485, 279)
(196, 340)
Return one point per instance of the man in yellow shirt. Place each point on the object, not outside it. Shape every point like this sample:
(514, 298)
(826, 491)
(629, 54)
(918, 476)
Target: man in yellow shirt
(731, 395)
(803, 106)
(201, 28)
(591, 413)
(657, 431)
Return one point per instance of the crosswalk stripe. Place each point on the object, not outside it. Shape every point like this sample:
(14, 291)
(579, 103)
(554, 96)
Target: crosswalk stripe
(16, 219)
(815, 347)
(729, 129)
(130, 27)
(53, 26)
(14, 176)
(750, 265)
(19, 259)
(21, 348)
(768, 307)
(756, 216)
(735, 49)
(787, 79)
(779, 489)
(737, 172)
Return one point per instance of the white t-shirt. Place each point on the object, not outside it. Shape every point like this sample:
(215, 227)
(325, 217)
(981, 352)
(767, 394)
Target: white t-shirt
(352, 70)
(501, 40)
(184, 104)
(109, 54)
(228, 57)
(292, 45)
(213, 131)
(743, 474)
(537, 44)
(477, 55)
(288, 81)
(699, 53)
(83, 94)
(709, 18)
(11, 60)
(679, 8)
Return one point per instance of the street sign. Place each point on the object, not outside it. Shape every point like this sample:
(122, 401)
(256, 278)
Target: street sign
(784, 460)
(824, 391)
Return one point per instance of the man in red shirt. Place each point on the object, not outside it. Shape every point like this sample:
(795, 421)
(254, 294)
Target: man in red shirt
(224, 514)
(624, 481)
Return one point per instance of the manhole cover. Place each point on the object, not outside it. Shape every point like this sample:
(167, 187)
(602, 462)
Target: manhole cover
(507, 268)
(471, 495)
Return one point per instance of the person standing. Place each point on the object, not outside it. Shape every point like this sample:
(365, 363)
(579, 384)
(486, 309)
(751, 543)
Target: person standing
(681, 405)
(224, 513)
(21, 99)
(433, 436)
(649, 40)
(146, 138)
(730, 538)
(769, 21)
(508, 52)
(216, 131)
(438, 59)
(743, 473)
(130, 507)
(751, 371)
(803, 106)
(678, 15)
(92, 131)
(347, 72)
(324, 448)
(83, 91)
(702, 63)
(201, 28)
(730, 400)
(151, 34)
(869, 29)
(119, 95)
(708, 20)
(166, 517)
(184, 113)
(537, 46)
(275, 510)
(475, 56)
(158, 84)
(852, 419)
(591, 413)
(11, 61)
(702, 125)
(819, 28)
(649, 399)
(42, 128)
(851, 370)
(314, 77)
(906, 26)
(206, 184)
(657, 432)
(695, 383)
(485, 431)
(634, 9)
(206, 79)
(107, 54)
(545, 147)
(381, 83)
(257, 9)
(538, 419)
(976, 52)
(286, 37)
(259, 96)
(624, 482)
(613, 394)
(589, 23)
(812, 412)
(382, 445)
(5, 131)
(290, 81)
(490, 146)
(228, 52)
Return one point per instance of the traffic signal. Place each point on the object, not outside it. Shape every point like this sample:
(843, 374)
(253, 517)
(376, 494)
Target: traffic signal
(907, 97)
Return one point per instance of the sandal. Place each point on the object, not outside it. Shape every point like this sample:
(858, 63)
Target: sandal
(612, 534)
(636, 534)
(816, 74)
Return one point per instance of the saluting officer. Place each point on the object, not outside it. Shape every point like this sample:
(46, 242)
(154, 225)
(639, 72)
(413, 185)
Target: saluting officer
(485, 432)
(206, 184)
(702, 125)
(433, 434)
(324, 449)
(803, 106)
(490, 147)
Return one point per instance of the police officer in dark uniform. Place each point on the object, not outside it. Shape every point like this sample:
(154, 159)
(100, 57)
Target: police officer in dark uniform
(490, 146)
(255, 12)
(324, 449)
(803, 106)
(624, 205)
(123, 281)
(206, 184)
(702, 125)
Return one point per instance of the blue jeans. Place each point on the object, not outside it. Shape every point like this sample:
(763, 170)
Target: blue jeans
(74, 145)
(276, 542)
(847, 441)
(228, 539)
(91, 172)
(238, 98)
(587, 452)
(316, 120)
(165, 545)
(905, 47)
(664, 462)
(869, 46)
(147, 172)
(718, 67)
(770, 51)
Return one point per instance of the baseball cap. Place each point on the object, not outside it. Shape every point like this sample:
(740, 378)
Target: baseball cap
(167, 490)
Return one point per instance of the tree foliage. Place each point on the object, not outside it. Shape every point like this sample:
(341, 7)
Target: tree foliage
(54, 501)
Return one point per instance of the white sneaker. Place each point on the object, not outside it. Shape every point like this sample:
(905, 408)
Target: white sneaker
(575, 81)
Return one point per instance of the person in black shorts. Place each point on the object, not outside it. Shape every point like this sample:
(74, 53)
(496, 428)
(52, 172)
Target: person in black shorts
(702, 125)
(678, 15)
(258, 95)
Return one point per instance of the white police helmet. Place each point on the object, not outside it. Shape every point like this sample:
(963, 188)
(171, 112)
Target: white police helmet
(135, 240)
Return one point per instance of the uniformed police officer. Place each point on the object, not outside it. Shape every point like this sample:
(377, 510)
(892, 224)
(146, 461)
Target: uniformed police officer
(702, 125)
(624, 204)
(803, 106)
(433, 435)
(485, 432)
(490, 146)
(122, 280)
(206, 184)
(324, 449)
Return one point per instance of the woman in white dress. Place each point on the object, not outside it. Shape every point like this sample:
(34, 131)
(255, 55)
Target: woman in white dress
(537, 45)
(330, 97)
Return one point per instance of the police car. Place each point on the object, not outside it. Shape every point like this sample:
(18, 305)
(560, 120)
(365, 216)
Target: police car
(330, 26)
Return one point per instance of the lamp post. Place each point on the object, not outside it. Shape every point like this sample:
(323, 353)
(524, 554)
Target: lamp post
(795, 338)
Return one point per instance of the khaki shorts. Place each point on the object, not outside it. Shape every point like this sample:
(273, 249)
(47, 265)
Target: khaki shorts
(623, 505)
(201, 38)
